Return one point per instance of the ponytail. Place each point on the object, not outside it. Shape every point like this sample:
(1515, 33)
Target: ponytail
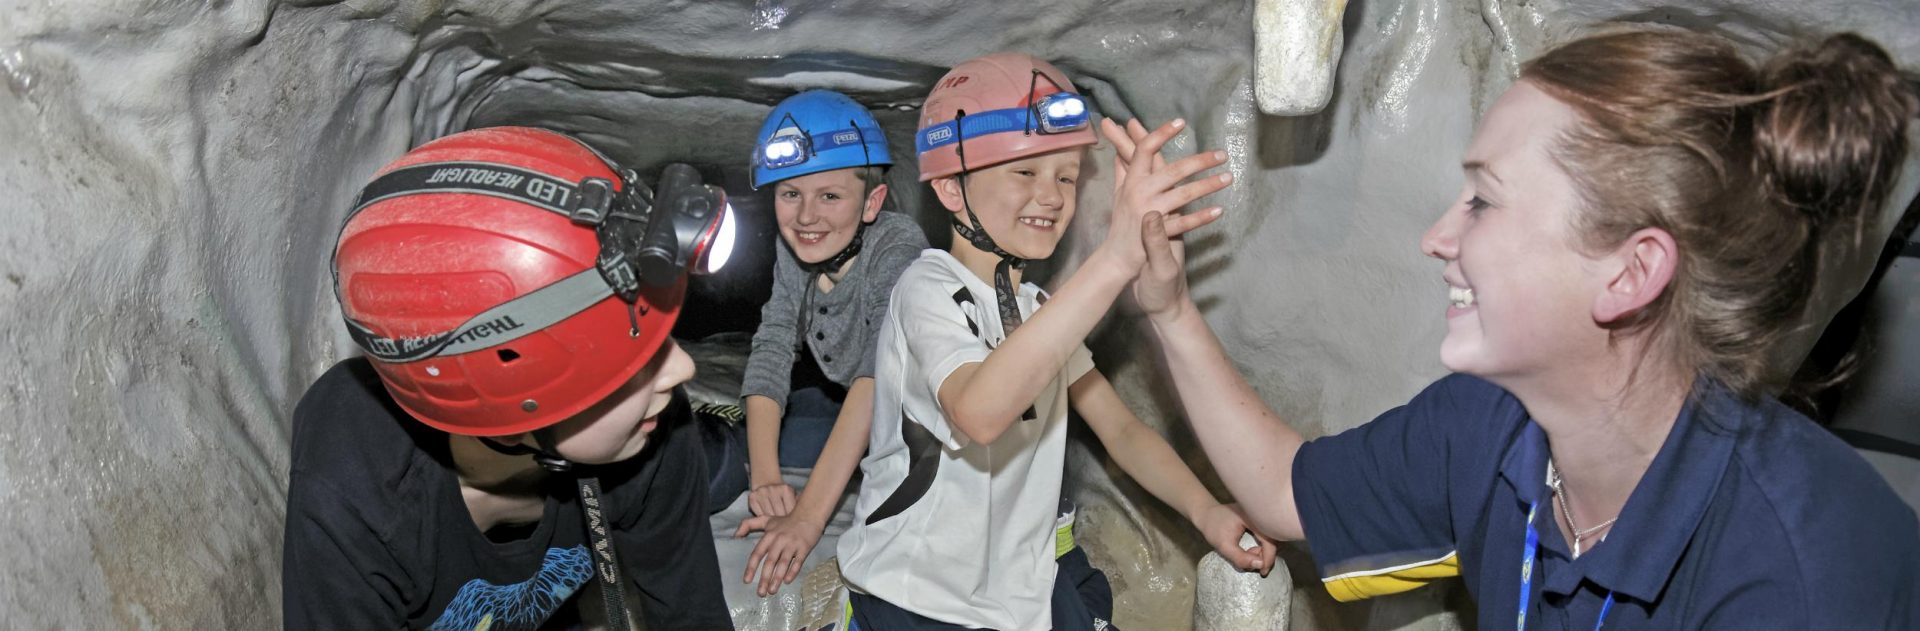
(1829, 142)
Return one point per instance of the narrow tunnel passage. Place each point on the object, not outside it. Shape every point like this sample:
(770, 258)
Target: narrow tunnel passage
(177, 172)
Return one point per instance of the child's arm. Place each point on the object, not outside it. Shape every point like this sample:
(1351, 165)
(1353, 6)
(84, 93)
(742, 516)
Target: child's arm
(330, 563)
(793, 537)
(765, 385)
(1149, 460)
(790, 538)
(983, 399)
(768, 494)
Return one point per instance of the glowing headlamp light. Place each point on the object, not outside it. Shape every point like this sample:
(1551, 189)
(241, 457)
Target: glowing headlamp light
(654, 238)
(786, 148)
(1062, 112)
(688, 221)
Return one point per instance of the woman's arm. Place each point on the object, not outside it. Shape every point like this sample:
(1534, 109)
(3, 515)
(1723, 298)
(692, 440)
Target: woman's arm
(1250, 446)
(1149, 460)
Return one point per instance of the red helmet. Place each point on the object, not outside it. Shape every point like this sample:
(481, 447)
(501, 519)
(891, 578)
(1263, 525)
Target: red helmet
(504, 279)
(1014, 105)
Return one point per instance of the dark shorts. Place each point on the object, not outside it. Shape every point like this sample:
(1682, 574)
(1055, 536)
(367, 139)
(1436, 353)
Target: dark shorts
(1082, 601)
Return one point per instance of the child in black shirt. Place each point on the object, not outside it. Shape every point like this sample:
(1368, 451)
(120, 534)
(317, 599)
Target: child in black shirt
(514, 437)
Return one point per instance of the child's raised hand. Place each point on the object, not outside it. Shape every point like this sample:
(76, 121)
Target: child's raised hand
(1123, 139)
(1223, 525)
(781, 551)
(1145, 182)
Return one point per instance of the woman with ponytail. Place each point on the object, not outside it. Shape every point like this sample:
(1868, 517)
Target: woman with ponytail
(1643, 219)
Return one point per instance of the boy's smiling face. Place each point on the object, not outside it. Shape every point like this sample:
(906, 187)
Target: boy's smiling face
(1025, 204)
(820, 212)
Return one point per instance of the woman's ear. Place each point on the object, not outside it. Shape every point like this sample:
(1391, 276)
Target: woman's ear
(1644, 266)
(948, 190)
(875, 199)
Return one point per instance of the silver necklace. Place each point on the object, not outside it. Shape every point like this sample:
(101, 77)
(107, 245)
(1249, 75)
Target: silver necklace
(1566, 510)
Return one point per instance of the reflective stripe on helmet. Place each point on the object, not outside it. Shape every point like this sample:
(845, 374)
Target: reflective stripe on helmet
(504, 323)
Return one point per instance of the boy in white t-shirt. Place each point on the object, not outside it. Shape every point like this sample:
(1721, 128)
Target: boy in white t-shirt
(959, 521)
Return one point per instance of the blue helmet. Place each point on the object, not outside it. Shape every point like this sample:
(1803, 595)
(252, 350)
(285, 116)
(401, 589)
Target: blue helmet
(814, 131)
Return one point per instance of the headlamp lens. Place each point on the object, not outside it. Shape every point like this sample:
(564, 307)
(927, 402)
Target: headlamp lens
(787, 148)
(1063, 112)
(722, 247)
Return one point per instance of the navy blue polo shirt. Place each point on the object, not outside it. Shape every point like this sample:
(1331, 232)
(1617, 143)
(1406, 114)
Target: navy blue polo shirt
(1750, 517)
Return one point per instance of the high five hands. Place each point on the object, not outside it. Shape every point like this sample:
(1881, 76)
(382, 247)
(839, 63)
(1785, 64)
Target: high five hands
(1147, 221)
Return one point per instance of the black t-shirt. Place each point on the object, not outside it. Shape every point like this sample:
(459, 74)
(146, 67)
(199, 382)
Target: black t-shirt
(379, 537)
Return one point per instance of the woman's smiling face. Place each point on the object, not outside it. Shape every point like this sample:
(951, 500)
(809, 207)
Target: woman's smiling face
(1521, 292)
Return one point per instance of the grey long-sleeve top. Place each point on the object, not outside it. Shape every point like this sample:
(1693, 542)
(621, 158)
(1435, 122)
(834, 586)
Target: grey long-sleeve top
(844, 324)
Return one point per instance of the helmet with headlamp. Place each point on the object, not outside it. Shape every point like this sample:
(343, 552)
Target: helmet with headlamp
(504, 279)
(991, 110)
(999, 108)
(815, 131)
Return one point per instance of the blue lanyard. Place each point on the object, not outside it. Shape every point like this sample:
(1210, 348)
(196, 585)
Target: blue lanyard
(1526, 574)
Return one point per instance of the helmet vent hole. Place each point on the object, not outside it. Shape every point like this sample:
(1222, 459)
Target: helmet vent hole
(507, 356)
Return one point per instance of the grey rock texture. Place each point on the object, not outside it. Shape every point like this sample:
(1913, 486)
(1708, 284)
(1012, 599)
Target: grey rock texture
(175, 172)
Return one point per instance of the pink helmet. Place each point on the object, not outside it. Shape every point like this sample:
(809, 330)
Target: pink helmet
(1003, 106)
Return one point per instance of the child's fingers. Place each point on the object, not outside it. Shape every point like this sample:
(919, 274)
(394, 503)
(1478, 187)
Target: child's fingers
(1268, 552)
(1140, 157)
(1197, 188)
(1122, 143)
(1137, 132)
(1189, 166)
(781, 502)
(758, 556)
(1191, 191)
(1178, 224)
(1159, 137)
(793, 569)
(770, 579)
(1122, 147)
(751, 524)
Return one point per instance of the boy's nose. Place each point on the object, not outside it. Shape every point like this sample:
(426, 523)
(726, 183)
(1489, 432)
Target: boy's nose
(678, 369)
(1049, 196)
